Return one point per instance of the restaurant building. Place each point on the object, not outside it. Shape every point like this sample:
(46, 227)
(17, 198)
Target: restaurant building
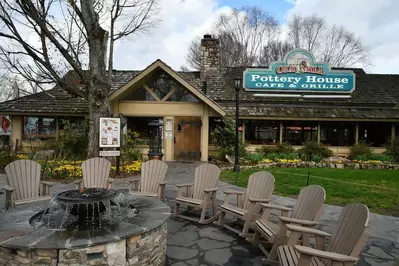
(295, 101)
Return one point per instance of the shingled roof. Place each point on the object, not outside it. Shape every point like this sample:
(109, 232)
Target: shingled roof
(376, 97)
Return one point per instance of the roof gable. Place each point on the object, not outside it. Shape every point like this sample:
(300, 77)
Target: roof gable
(122, 91)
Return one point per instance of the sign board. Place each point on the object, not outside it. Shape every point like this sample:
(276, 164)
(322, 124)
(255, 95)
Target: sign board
(110, 153)
(168, 134)
(110, 132)
(299, 72)
(168, 125)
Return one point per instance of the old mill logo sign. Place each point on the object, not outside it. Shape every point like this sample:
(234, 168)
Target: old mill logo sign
(299, 72)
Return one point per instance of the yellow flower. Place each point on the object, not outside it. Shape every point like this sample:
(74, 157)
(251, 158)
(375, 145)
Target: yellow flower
(267, 161)
(22, 156)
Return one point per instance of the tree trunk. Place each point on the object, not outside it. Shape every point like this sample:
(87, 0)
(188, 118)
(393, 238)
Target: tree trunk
(98, 86)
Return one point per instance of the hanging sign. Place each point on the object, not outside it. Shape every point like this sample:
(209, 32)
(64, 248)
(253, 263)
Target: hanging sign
(299, 72)
(110, 132)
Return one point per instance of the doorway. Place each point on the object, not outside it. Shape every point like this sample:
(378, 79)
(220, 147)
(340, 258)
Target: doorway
(187, 138)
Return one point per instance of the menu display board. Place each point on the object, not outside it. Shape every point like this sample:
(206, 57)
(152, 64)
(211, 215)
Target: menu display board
(110, 132)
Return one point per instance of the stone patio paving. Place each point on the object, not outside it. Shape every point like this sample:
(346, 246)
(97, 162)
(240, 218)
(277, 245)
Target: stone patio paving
(194, 244)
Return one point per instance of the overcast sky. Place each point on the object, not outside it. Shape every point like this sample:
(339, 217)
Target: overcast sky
(375, 21)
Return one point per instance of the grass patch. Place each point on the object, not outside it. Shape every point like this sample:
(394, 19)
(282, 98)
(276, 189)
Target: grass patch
(378, 189)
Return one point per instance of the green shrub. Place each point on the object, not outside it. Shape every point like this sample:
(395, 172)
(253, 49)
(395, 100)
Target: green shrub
(313, 148)
(224, 137)
(254, 157)
(393, 149)
(315, 158)
(129, 152)
(375, 157)
(285, 147)
(362, 148)
(73, 140)
(6, 158)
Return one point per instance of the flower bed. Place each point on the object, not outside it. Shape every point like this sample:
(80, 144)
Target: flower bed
(72, 169)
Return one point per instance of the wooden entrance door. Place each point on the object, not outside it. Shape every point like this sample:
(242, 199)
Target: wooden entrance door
(187, 138)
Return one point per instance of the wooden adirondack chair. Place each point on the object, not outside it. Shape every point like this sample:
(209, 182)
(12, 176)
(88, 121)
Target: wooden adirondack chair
(95, 174)
(260, 188)
(306, 212)
(348, 238)
(201, 194)
(152, 179)
(23, 183)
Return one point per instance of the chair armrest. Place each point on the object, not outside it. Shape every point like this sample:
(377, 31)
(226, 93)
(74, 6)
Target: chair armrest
(111, 179)
(276, 207)
(307, 230)
(210, 189)
(77, 181)
(47, 183)
(7, 188)
(162, 183)
(185, 185)
(133, 179)
(297, 221)
(230, 191)
(259, 200)
(325, 254)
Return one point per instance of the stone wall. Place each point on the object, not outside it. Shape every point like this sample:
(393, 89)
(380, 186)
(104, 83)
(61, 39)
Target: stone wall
(146, 249)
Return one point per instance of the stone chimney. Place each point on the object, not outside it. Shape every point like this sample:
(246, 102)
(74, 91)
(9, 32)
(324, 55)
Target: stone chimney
(210, 56)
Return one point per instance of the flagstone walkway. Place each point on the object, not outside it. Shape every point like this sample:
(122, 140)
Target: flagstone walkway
(193, 244)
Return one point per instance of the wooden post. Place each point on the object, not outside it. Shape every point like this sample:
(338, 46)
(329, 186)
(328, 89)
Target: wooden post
(243, 131)
(281, 132)
(318, 133)
(57, 127)
(393, 133)
(357, 133)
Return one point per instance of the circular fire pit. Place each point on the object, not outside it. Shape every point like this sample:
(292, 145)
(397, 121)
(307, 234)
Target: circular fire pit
(132, 230)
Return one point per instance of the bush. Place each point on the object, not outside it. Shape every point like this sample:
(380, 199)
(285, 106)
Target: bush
(129, 152)
(313, 148)
(393, 149)
(315, 158)
(72, 142)
(360, 149)
(254, 157)
(224, 137)
(285, 147)
(375, 157)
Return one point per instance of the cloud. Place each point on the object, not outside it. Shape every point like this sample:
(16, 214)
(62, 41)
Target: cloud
(182, 21)
(375, 21)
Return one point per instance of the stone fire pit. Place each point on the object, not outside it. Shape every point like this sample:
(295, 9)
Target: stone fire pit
(138, 240)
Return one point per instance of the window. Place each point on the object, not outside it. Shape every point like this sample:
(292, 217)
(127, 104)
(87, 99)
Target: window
(140, 94)
(140, 126)
(182, 95)
(375, 133)
(262, 132)
(298, 132)
(39, 128)
(337, 133)
(76, 123)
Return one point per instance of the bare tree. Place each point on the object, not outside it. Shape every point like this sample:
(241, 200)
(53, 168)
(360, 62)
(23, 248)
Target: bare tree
(274, 51)
(242, 34)
(250, 36)
(43, 40)
(334, 44)
(128, 17)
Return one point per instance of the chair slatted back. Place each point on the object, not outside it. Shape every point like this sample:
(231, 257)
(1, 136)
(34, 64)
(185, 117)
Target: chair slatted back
(310, 202)
(206, 176)
(152, 172)
(260, 186)
(24, 177)
(96, 172)
(351, 226)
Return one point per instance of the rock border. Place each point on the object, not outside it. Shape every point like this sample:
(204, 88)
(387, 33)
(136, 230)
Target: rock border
(347, 165)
